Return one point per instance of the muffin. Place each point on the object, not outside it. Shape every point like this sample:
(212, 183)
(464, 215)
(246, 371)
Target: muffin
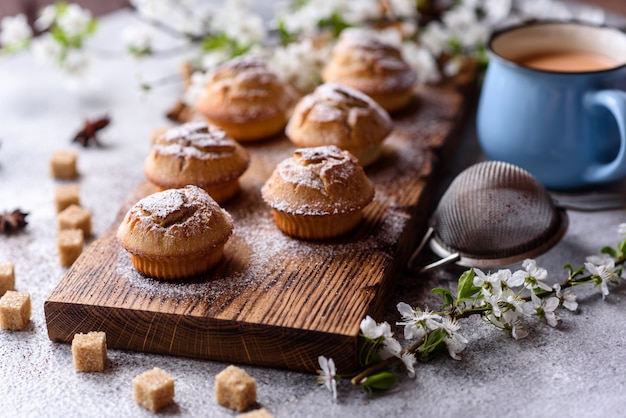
(339, 115)
(198, 154)
(364, 62)
(246, 99)
(175, 233)
(319, 193)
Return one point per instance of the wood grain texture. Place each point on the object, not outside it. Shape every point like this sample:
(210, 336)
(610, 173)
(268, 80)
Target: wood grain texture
(272, 300)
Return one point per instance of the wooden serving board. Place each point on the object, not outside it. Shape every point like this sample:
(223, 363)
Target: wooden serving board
(273, 300)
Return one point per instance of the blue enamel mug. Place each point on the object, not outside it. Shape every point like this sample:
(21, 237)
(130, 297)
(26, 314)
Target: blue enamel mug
(553, 102)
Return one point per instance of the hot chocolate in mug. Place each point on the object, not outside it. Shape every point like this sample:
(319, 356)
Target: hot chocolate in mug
(553, 102)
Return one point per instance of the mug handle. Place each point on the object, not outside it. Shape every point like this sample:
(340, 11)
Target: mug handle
(615, 102)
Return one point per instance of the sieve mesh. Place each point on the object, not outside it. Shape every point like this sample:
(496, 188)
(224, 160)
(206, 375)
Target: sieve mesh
(495, 213)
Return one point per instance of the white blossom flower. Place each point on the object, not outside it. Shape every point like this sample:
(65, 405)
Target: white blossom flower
(409, 362)
(74, 20)
(15, 33)
(416, 321)
(355, 12)
(453, 66)
(604, 269)
(544, 308)
(518, 331)
(435, 38)
(306, 18)
(327, 374)
(455, 342)
(138, 38)
(513, 303)
(187, 16)
(422, 61)
(391, 348)
(402, 8)
(299, 64)
(621, 229)
(155, 9)
(543, 9)
(493, 285)
(197, 83)
(373, 331)
(235, 19)
(76, 62)
(46, 49)
(495, 11)
(567, 297)
(459, 17)
(531, 277)
(46, 18)
(370, 328)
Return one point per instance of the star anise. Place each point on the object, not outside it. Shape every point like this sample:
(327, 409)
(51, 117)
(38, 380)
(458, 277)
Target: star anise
(89, 131)
(12, 221)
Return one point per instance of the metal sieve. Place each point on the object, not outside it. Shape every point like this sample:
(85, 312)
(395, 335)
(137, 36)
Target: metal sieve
(493, 214)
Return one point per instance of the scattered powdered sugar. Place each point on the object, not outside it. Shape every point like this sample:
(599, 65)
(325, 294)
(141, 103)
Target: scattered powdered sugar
(258, 248)
(195, 139)
(159, 205)
(372, 55)
(185, 130)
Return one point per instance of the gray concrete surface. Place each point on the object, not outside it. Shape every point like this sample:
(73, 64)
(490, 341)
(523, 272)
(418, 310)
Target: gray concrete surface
(573, 370)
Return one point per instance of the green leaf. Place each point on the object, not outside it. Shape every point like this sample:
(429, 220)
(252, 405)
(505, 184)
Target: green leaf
(92, 26)
(238, 49)
(466, 289)
(369, 351)
(59, 35)
(621, 249)
(285, 36)
(433, 344)
(610, 251)
(61, 7)
(380, 381)
(216, 41)
(446, 295)
(573, 273)
(334, 22)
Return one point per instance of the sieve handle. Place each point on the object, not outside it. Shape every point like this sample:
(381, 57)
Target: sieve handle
(615, 102)
(420, 247)
(444, 261)
(452, 258)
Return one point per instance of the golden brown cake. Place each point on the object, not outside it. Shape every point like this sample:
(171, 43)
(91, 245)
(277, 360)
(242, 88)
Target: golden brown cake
(175, 233)
(246, 99)
(198, 154)
(364, 62)
(339, 115)
(319, 193)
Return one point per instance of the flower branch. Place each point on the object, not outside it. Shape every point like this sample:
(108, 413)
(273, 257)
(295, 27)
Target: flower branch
(504, 299)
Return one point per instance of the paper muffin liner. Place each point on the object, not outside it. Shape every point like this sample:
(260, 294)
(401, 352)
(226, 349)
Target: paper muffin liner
(174, 268)
(317, 227)
(367, 156)
(224, 191)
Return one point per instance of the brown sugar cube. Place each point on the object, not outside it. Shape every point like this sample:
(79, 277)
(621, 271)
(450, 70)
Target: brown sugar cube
(66, 195)
(257, 413)
(75, 217)
(90, 351)
(153, 389)
(63, 164)
(70, 245)
(15, 310)
(7, 277)
(235, 389)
